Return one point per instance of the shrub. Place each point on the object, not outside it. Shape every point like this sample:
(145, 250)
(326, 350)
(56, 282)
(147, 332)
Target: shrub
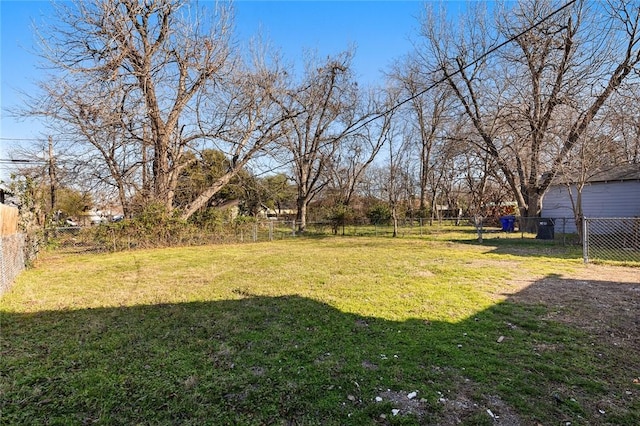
(339, 215)
(379, 214)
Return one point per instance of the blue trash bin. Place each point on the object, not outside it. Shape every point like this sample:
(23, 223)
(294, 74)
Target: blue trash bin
(508, 223)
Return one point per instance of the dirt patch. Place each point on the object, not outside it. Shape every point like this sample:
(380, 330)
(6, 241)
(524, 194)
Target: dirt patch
(464, 407)
(455, 410)
(405, 403)
(601, 300)
(424, 274)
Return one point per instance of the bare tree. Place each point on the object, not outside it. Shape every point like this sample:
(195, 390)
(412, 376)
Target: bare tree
(360, 148)
(248, 120)
(429, 116)
(483, 182)
(596, 152)
(392, 179)
(397, 179)
(623, 123)
(94, 122)
(142, 83)
(532, 102)
(322, 111)
(574, 174)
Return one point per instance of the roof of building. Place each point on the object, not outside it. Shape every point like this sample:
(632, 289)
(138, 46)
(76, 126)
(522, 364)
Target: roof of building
(618, 173)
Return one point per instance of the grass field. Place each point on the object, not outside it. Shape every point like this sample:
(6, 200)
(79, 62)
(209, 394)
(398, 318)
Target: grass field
(311, 331)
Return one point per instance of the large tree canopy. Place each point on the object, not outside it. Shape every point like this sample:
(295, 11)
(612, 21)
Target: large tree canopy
(530, 103)
(323, 108)
(137, 85)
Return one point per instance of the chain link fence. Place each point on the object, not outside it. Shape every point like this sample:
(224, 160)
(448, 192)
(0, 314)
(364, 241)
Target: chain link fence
(13, 256)
(601, 239)
(107, 238)
(611, 239)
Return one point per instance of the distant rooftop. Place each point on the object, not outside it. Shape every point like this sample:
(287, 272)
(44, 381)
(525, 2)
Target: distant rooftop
(618, 173)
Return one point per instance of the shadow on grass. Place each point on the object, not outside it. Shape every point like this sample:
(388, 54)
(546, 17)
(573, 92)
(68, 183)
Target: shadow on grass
(293, 360)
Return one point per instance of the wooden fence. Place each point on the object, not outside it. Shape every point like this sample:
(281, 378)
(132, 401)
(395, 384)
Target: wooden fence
(8, 220)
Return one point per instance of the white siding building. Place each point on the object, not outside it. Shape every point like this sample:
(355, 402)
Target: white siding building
(613, 193)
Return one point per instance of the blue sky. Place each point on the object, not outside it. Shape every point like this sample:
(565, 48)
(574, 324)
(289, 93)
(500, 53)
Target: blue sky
(380, 31)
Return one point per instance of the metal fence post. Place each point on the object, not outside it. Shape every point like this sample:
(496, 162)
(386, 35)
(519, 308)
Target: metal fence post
(585, 240)
(478, 220)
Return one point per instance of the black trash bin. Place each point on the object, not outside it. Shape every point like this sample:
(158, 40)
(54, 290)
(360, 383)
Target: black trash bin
(545, 229)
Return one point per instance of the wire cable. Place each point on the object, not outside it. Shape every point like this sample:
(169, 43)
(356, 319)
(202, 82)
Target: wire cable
(472, 63)
(443, 79)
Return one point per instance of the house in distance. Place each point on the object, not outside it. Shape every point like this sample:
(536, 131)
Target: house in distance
(613, 193)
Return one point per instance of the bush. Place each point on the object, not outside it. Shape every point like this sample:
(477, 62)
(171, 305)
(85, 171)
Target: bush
(153, 227)
(339, 215)
(380, 214)
(210, 219)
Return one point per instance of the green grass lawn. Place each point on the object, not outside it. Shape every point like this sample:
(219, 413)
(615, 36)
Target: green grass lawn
(305, 331)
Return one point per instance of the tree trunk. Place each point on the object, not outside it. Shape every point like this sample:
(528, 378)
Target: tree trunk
(530, 206)
(301, 215)
(394, 218)
(202, 200)
(576, 205)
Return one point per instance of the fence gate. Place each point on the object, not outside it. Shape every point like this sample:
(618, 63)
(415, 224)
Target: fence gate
(616, 239)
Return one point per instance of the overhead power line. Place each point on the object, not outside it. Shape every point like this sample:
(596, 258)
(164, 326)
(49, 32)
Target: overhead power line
(24, 139)
(19, 161)
(444, 79)
(472, 63)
